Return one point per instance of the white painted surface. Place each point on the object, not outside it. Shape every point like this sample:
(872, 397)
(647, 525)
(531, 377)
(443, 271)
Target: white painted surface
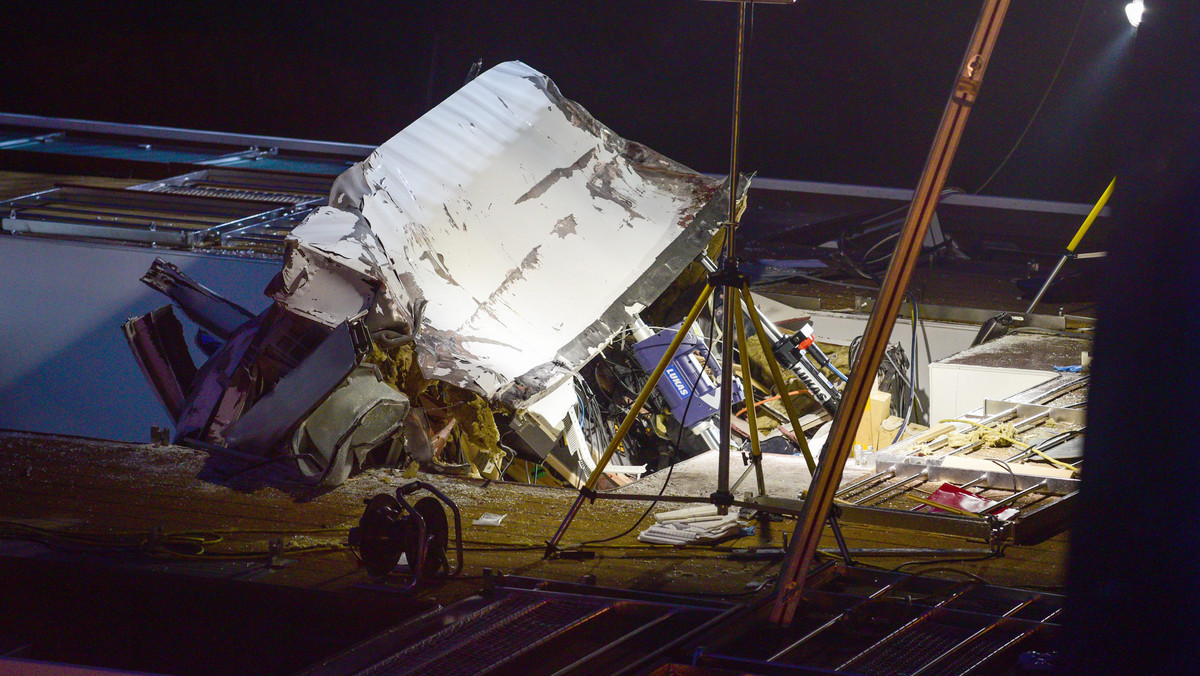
(957, 388)
(519, 218)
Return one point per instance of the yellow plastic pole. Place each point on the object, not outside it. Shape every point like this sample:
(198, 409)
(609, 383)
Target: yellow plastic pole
(1087, 223)
(780, 383)
(755, 447)
(1091, 217)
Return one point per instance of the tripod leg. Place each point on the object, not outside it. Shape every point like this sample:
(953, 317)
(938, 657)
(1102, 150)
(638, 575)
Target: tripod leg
(589, 488)
(742, 479)
(841, 540)
(755, 447)
(780, 383)
(811, 520)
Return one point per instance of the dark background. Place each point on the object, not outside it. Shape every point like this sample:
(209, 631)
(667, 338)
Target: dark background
(837, 91)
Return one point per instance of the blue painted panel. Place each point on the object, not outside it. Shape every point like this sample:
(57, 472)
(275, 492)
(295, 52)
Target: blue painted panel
(65, 367)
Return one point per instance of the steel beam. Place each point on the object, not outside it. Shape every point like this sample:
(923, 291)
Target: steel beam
(908, 249)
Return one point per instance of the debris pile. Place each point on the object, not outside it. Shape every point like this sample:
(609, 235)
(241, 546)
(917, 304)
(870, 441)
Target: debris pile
(439, 309)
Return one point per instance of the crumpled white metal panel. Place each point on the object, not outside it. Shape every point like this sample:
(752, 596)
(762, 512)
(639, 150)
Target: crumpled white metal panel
(532, 230)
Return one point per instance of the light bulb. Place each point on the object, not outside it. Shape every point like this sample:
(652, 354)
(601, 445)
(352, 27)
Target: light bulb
(1134, 11)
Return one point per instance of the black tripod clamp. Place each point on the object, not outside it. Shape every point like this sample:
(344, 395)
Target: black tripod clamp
(727, 275)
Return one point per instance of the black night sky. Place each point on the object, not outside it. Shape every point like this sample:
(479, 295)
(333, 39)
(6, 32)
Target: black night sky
(838, 91)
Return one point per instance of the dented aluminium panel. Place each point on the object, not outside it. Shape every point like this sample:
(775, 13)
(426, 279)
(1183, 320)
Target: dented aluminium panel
(533, 231)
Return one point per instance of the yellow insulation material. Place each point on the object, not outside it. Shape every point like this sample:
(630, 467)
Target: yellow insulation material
(478, 437)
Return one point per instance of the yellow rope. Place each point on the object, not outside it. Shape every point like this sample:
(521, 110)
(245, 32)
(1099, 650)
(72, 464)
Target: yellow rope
(168, 543)
(1014, 442)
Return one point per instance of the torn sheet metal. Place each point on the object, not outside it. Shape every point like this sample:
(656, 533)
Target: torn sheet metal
(533, 231)
(217, 314)
(274, 415)
(161, 352)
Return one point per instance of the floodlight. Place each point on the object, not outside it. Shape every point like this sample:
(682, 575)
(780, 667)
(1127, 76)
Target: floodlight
(1134, 11)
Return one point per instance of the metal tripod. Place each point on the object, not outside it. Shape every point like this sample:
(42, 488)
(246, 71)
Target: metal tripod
(735, 293)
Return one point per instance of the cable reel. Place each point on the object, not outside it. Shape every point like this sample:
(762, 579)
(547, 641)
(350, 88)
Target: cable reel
(391, 527)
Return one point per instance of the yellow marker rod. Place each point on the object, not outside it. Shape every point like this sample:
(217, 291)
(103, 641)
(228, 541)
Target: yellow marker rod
(1091, 217)
(1087, 223)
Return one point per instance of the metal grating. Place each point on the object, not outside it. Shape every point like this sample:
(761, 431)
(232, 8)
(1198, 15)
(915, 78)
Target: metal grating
(896, 495)
(138, 216)
(241, 192)
(921, 644)
(489, 637)
(331, 166)
(1003, 602)
(119, 148)
(86, 147)
(531, 627)
(111, 149)
(210, 208)
(976, 653)
(269, 186)
(855, 621)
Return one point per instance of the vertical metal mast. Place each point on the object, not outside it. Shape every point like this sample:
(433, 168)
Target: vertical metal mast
(879, 327)
(727, 279)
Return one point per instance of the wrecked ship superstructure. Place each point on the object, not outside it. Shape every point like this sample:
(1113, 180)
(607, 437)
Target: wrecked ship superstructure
(469, 266)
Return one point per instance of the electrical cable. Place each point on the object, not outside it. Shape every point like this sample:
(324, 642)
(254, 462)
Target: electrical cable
(757, 588)
(945, 569)
(1012, 475)
(674, 450)
(910, 404)
(1037, 330)
(168, 544)
(842, 376)
(911, 400)
(866, 259)
(995, 554)
(822, 280)
(1045, 95)
(861, 264)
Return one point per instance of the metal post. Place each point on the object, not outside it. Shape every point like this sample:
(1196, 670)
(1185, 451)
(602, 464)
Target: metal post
(727, 279)
(908, 248)
(1070, 253)
(730, 282)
